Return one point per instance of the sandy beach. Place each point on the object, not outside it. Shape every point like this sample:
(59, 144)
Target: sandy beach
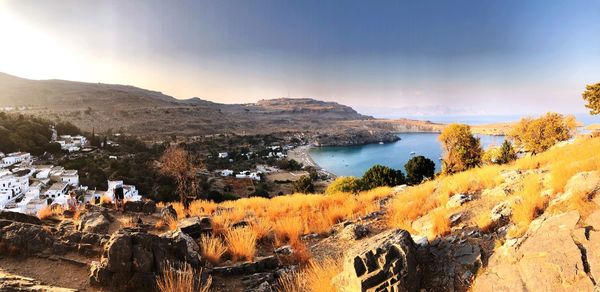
(301, 154)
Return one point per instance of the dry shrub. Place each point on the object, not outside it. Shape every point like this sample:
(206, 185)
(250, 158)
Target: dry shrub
(180, 209)
(169, 223)
(241, 243)
(160, 205)
(261, 228)
(531, 204)
(212, 248)
(440, 221)
(484, 221)
(49, 212)
(45, 213)
(315, 277)
(106, 200)
(202, 207)
(287, 229)
(185, 279)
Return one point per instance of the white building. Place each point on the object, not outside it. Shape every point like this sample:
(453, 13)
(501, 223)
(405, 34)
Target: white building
(10, 187)
(130, 193)
(57, 191)
(223, 154)
(226, 172)
(71, 143)
(14, 158)
(248, 174)
(71, 177)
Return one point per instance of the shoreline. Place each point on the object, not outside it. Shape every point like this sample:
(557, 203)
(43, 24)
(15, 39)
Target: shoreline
(302, 155)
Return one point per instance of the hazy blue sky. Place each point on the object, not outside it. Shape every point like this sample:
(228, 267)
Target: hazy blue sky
(382, 57)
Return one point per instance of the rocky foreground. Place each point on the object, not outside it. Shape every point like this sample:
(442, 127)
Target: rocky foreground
(100, 249)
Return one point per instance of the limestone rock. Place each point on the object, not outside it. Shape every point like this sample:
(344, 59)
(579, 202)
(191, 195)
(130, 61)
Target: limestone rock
(501, 211)
(458, 200)
(385, 262)
(547, 258)
(168, 212)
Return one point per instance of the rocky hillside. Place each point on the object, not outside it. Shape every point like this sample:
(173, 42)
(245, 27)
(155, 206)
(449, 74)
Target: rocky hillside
(150, 113)
(526, 226)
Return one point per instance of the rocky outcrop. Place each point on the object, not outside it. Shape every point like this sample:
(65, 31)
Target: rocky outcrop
(147, 207)
(195, 226)
(132, 259)
(95, 220)
(168, 213)
(20, 217)
(556, 253)
(385, 262)
(16, 283)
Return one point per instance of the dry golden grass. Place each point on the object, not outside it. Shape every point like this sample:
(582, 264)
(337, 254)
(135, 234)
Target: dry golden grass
(484, 221)
(440, 223)
(168, 223)
(241, 243)
(530, 205)
(181, 212)
(261, 228)
(315, 277)
(212, 248)
(288, 229)
(202, 207)
(411, 204)
(181, 280)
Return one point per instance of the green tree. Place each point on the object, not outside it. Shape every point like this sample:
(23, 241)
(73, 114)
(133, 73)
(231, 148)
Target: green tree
(592, 96)
(419, 168)
(379, 176)
(537, 135)
(507, 153)
(303, 185)
(461, 149)
(345, 184)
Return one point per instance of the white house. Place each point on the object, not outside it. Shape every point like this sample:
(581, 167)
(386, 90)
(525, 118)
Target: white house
(223, 154)
(130, 193)
(57, 191)
(247, 174)
(226, 172)
(70, 176)
(10, 187)
(71, 143)
(14, 158)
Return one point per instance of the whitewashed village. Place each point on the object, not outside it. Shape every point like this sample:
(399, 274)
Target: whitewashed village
(27, 187)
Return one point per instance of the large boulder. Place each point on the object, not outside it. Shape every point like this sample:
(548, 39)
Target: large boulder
(20, 217)
(132, 259)
(555, 254)
(24, 238)
(385, 262)
(195, 226)
(95, 222)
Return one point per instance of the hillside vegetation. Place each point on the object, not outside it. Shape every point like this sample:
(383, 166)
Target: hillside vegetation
(531, 186)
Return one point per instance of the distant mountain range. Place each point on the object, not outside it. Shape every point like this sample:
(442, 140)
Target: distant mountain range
(145, 112)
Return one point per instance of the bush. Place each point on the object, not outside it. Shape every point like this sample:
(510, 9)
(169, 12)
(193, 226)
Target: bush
(303, 185)
(537, 135)
(592, 96)
(382, 176)
(345, 184)
(241, 243)
(419, 168)
(461, 149)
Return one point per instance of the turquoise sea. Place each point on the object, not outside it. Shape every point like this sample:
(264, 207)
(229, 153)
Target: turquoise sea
(355, 160)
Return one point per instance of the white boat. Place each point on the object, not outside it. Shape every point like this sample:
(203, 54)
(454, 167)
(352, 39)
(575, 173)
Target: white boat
(412, 153)
(380, 143)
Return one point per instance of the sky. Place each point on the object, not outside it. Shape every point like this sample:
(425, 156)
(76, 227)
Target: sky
(385, 58)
